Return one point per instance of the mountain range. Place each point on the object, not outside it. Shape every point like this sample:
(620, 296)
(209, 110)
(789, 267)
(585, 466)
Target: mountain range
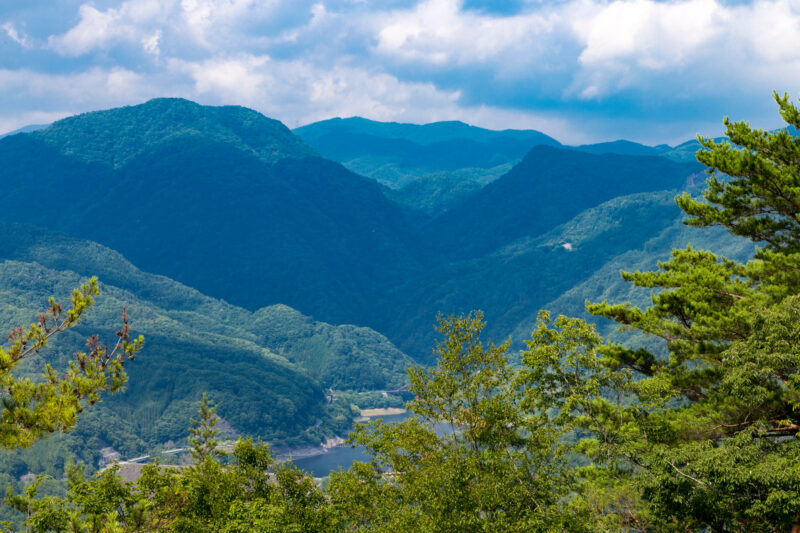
(260, 239)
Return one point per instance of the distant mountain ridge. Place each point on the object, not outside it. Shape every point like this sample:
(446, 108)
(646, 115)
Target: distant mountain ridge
(421, 134)
(524, 201)
(436, 167)
(25, 129)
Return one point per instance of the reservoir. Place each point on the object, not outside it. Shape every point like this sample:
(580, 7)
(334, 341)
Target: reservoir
(342, 457)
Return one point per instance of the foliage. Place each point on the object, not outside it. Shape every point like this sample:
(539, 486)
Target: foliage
(264, 370)
(706, 436)
(399, 154)
(468, 459)
(52, 403)
(116, 136)
(203, 433)
(249, 492)
(700, 434)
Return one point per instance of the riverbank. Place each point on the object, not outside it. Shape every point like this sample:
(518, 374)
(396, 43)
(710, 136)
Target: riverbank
(283, 455)
(367, 414)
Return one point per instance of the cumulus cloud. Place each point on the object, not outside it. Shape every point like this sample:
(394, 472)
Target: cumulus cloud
(627, 42)
(441, 32)
(132, 22)
(34, 97)
(299, 92)
(580, 69)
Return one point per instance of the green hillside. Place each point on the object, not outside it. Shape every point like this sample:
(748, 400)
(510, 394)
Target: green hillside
(547, 188)
(606, 283)
(302, 231)
(254, 365)
(116, 136)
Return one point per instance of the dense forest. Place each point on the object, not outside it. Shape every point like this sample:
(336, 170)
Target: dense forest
(687, 421)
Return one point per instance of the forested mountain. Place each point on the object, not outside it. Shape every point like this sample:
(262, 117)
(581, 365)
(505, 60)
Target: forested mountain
(233, 204)
(187, 198)
(549, 186)
(236, 204)
(266, 370)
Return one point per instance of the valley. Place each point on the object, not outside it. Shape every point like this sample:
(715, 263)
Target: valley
(257, 253)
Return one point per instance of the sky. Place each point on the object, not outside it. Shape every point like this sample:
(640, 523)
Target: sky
(579, 70)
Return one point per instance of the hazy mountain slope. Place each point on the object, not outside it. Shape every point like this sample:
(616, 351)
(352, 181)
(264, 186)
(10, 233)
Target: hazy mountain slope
(25, 129)
(431, 166)
(621, 147)
(607, 284)
(550, 186)
(332, 134)
(342, 357)
(195, 343)
(258, 391)
(441, 191)
(305, 232)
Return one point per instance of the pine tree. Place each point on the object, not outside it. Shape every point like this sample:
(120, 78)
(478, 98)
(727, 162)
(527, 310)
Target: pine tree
(203, 430)
(34, 408)
(706, 435)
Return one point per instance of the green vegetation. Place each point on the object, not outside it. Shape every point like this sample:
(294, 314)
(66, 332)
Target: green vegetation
(117, 136)
(266, 370)
(235, 496)
(33, 408)
(469, 459)
(691, 424)
(430, 167)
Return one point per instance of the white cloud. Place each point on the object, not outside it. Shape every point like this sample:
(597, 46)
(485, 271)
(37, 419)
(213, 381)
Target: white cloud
(82, 91)
(299, 92)
(20, 39)
(150, 43)
(212, 23)
(650, 34)
(236, 80)
(93, 30)
(628, 42)
(433, 60)
(16, 121)
(134, 21)
(441, 32)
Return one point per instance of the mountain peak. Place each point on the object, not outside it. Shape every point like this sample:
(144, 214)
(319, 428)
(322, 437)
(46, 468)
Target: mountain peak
(116, 136)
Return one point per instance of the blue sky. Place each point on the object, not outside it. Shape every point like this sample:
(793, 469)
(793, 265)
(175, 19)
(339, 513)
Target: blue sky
(579, 70)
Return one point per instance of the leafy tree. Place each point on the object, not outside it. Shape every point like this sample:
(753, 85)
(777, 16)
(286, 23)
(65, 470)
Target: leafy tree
(249, 492)
(469, 459)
